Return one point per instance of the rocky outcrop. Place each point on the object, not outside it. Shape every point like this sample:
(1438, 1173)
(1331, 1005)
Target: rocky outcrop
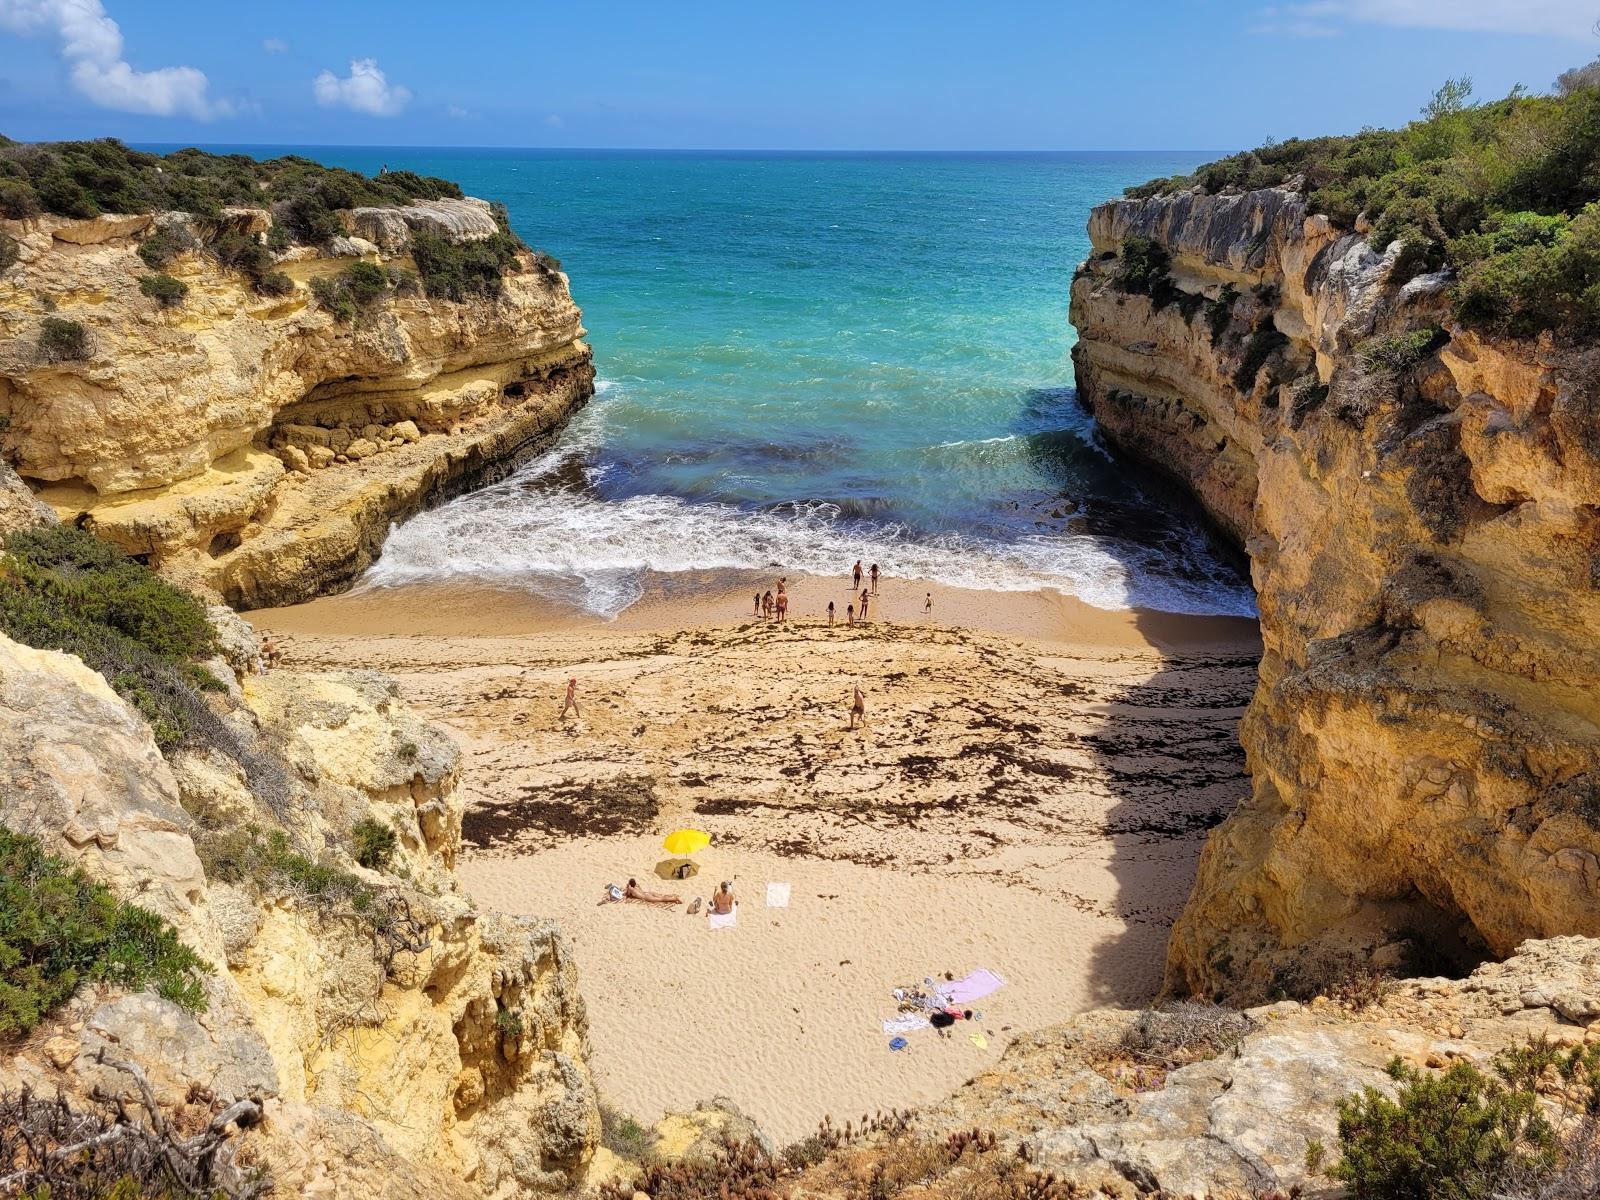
(1421, 510)
(1238, 1125)
(255, 444)
(404, 1042)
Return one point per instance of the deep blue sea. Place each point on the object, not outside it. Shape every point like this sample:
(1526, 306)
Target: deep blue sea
(806, 359)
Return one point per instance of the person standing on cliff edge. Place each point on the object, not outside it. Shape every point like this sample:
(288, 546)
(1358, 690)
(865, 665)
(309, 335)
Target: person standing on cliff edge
(571, 701)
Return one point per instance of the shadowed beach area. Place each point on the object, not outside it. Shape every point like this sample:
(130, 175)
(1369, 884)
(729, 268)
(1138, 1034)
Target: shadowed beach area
(1029, 795)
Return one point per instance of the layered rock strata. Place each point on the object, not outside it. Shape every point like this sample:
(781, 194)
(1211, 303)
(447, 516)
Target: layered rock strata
(256, 444)
(405, 1044)
(1421, 510)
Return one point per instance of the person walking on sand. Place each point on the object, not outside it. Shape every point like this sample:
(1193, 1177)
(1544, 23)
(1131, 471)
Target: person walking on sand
(874, 579)
(571, 701)
(858, 707)
(856, 576)
(830, 614)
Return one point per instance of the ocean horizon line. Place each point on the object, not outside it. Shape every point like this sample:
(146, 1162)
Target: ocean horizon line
(672, 150)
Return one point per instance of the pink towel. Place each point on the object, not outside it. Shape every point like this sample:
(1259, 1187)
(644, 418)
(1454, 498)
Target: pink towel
(976, 986)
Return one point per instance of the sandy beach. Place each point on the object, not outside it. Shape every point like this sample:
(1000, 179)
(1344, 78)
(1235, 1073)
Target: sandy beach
(1029, 795)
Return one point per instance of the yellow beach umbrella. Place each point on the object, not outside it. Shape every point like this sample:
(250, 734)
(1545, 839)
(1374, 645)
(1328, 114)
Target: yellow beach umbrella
(686, 841)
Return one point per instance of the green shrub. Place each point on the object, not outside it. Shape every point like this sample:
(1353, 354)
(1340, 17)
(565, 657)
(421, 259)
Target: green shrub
(81, 179)
(1456, 1134)
(165, 244)
(374, 843)
(353, 290)
(61, 340)
(9, 252)
(268, 861)
(61, 589)
(458, 270)
(163, 289)
(1499, 192)
(1399, 352)
(1147, 271)
(60, 930)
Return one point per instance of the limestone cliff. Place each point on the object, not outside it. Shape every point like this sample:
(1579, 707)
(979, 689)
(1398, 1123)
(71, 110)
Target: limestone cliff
(261, 445)
(1421, 510)
(405, 1043)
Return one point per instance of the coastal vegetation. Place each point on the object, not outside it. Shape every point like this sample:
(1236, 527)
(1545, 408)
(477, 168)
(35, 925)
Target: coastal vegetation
(1504, 194)
(63, 589)
(59, 930)
(1463, 1133)
(84, 179)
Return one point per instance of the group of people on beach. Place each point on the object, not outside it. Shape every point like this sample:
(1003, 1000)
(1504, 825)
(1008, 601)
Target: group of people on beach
(722, 901)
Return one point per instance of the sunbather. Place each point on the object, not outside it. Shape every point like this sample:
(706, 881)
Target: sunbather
(722, 901)
(634, 892)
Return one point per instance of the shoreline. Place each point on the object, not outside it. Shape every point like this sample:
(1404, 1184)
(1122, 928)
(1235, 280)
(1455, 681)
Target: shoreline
(720, 599)
(1030, 801)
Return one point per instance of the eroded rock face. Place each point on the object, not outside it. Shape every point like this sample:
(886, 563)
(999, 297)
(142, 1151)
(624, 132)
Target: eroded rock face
(1238, 1125)
(459, 1057)
(1425, 740)
(253, 444)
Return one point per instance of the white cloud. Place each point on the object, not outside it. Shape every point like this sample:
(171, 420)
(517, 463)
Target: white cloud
(456, 112)
(366, 90)
(275, 45)
(1321, 18)
(92, 49)
(554, 121)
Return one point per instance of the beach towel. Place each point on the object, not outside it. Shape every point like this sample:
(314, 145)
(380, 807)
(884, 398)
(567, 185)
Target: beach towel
(978, 1040)
(976, 986)
(898, 1043)
(718, 920)
(777, 895)
(905, 1024)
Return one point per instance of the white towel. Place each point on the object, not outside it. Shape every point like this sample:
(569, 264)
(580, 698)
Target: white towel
(722, 920)
(777, 895)
(906, 1024)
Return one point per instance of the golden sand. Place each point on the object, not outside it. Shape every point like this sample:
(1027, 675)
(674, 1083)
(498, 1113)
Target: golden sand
(1029, 794)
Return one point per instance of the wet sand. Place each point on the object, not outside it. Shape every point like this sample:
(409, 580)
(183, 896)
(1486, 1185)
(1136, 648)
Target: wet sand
(1029, 795)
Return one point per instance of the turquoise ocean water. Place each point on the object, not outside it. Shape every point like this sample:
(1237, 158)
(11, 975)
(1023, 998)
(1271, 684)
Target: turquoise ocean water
(807, 359)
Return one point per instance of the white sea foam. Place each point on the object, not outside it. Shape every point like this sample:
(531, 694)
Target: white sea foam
(574, 546)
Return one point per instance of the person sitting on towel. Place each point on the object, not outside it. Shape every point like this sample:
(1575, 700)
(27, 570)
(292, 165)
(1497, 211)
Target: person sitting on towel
(722, 901)
(634, 892)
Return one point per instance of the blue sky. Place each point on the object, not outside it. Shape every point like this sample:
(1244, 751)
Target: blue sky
(772, 74)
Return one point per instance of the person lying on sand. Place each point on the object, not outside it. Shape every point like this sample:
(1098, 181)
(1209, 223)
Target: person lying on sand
(858, 708)
(571, 701)
(722, 901)
(634, 892)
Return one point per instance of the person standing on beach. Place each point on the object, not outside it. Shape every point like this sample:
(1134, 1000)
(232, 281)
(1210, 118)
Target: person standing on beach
(858, 707)
(927, 605)
(783, 606)
(856, 576)
(863, 604)
(874, 579)
(830, 614)
(849, 614)
(766, 605)
(758, 604)
(571, 701)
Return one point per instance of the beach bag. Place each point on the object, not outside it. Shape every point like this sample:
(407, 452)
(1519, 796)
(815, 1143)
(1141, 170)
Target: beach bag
(613, 891)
